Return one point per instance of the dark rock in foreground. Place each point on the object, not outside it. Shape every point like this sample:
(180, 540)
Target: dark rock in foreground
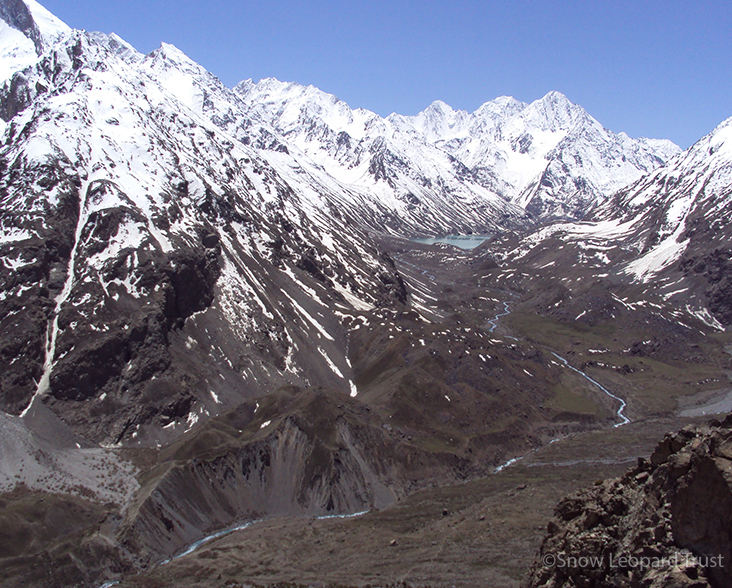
(666, 523)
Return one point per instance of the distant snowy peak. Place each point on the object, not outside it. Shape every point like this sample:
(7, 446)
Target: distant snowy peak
(549, 157)
(26, 30)
(702, 173)
(436, 122)
(440, 123)
(293, 108)
(664, 148)
(554, 112)
(397, 179)
(174, 71)
(498, 109)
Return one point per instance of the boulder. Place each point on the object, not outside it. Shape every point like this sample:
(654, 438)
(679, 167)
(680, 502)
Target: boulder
(667, 523)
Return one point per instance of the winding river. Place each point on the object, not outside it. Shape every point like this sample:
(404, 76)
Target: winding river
(493, 322)
(624, 419)
(196, 544)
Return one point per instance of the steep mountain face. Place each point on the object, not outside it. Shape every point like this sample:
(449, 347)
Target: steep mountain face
(663, 239)
(26, 30)
(551, 157)
(681, 219)
(664, 523)
(206, 317)
(398, 181)
(548, 158)
(141, 245)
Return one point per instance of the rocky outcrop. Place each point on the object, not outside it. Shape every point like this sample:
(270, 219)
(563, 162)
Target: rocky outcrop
(666, 523)
(31, 276)
(314, 452)
(715, 267)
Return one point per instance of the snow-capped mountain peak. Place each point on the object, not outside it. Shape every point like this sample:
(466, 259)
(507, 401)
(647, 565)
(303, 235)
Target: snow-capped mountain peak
(439, 122)
(555, 113)
(26, 30)
(289, 106)
(720, 140)
(499, 108)
(49, 26)
(550, 157)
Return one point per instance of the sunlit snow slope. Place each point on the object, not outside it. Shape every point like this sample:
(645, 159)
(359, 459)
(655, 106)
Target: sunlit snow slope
(155, 269)
(548, 158)
(668, 233)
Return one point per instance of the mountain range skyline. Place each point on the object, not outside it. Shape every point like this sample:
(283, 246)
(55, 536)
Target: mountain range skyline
(649, 70)
(227, 324)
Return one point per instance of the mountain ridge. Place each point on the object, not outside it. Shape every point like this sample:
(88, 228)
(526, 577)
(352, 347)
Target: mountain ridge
(490, 172)
(29, 29)
(213, 294)
(515, 150)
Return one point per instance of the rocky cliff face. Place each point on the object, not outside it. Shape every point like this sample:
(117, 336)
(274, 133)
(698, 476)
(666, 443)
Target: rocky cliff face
(314, 453)
(663, 241)
(666, 523)
(127, 217)
(27, 30)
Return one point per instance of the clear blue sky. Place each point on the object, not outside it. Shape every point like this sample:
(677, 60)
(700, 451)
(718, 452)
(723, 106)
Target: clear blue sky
(656, 68)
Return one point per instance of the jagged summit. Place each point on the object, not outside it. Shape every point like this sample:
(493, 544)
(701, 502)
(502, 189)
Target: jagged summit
(34, 21)
(210, 312)
(719, 141)
(550, 157)
(172, 53)
(26, 30)
(436, 122)
(439, 122)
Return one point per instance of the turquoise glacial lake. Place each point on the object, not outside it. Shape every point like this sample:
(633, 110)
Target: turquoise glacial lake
(462, 241)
